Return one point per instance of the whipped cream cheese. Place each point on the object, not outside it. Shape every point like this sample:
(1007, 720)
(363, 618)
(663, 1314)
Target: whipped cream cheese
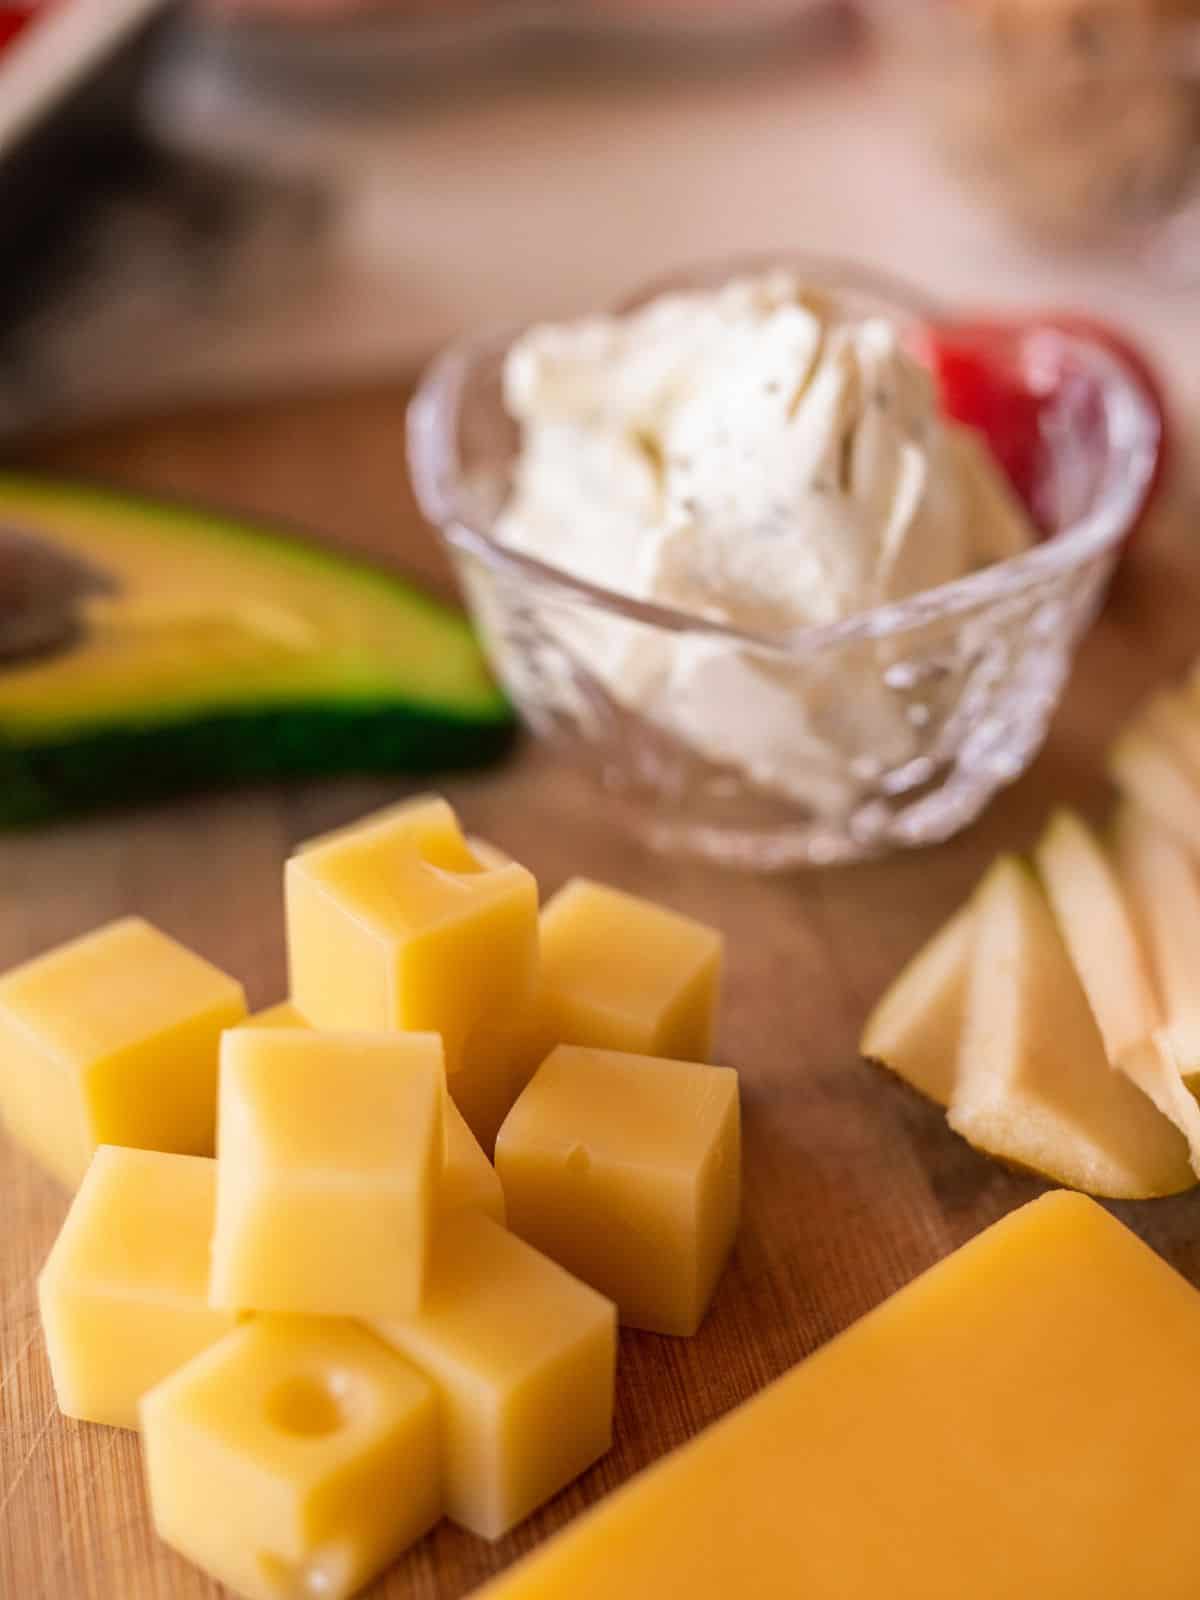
(750, 456)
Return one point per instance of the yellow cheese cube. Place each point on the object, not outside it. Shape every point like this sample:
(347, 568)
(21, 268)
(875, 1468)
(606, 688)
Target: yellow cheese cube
(1019, 1422)
(112, 1039)
(484, 1092)
(394, 811)
(523, 1356)
(488, 854)
(621, 973)
(468, 1177)
(297, 1457)
(469, 1180)
(627, 1171)
(283, 1014)
(397, 924)
(124, 1292)
(330, 1147)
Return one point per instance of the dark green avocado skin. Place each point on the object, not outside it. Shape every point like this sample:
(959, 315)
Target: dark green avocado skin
(115, 766)
(122, 759)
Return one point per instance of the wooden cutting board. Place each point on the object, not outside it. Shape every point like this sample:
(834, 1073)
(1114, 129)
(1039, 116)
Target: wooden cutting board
(852, 1184)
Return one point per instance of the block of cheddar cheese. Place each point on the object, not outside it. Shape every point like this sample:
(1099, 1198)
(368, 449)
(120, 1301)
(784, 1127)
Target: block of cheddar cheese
(627, 1171)
(112, 1039)
(124, 1292)
(296, 1457)
(331, 1149)
(1020, 1421)
(523, 1357)
(397, 924)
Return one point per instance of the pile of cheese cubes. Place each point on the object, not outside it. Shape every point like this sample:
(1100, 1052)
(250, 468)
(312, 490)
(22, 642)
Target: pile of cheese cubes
(350, 1322)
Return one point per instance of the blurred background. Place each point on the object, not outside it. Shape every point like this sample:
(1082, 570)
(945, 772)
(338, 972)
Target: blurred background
(244, 198)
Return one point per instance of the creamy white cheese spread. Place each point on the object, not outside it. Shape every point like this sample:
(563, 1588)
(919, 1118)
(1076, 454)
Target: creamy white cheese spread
(751, 456)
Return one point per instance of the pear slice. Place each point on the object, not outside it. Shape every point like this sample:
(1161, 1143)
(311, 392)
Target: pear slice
(1034, 1086)
(1148, 769)
(1094, 921)
(1102, 941)
(915, 1027)
(1174, 717)
(1163, 888)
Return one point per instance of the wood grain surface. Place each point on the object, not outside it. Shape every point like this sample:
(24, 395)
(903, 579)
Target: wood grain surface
(852, 1184)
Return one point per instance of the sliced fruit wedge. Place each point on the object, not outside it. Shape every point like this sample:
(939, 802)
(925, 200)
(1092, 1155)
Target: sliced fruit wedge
(1154, 1066)
(1096, 928)
(1175, 718)
(1093, 919)
(1150, 771)
(916, 1026)
(1034, 1086)
(1163, 889)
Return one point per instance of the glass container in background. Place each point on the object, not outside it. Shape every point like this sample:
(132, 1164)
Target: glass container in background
(354, 44)
(920, 709)
(249, 223)
(1079, 119)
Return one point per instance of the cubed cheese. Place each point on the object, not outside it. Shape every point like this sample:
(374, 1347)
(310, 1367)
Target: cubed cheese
(622, 973)
(331, 1148)
(398, 924)
(523, 1356)
(112, 1039)
(626, 1170)
(124, 1292)
(296, 1457)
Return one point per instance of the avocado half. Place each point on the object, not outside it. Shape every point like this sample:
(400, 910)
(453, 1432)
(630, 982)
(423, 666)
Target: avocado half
(204, 650)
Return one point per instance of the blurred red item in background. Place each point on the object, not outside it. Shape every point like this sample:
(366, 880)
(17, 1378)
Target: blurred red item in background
(13, 20)
(983, 381)
(1011, 378)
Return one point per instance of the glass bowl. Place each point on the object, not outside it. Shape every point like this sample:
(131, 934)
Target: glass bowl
(360, 47)
(912, 714)
(1080, 119)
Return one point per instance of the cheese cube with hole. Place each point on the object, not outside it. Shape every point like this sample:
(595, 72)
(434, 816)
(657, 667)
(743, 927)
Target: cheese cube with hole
(398, 924)
(621, 973)
(627, 1171)
(1018, 1424)
(523, 1356)
(468, 1177)
(489, 855)
(112, 1039)
(331, 1149)
(124, 1291)
(297, 1457)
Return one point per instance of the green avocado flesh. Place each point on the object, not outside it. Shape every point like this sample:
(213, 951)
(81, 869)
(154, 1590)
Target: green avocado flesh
(223, 652)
